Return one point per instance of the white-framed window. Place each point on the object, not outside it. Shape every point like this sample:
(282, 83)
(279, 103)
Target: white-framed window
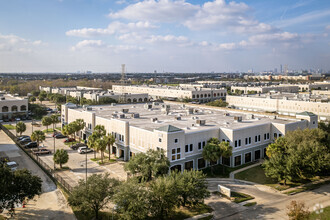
(176, 154)
(189, 148)
(160, 140)
(176, 140)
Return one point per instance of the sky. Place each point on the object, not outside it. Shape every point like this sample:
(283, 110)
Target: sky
(163, 35)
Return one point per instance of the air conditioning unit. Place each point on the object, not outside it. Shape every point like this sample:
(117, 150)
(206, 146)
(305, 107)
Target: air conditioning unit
(125, 110)
(238, 118)
(200, 122)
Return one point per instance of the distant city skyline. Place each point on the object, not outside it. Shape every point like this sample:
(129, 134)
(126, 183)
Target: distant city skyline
(164, 35)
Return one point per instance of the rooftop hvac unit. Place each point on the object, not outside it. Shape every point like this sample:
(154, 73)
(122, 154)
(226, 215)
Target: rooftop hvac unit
(154, 119)
(200, 122)
(121, 116)
(147, 106)
(113, 104)
(227, 114)
(190, 111)
(3, 98)
(250, 116)
(238, 118)
(125, 110)
(135, 115)
(177, 118)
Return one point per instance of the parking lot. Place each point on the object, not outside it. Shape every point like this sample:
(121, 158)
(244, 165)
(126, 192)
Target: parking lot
(75, 169)
(51, 204)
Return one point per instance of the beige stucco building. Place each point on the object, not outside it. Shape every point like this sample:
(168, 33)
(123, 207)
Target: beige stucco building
(13, 107)
(159, 91)
(182, 131)
(286, 104)
(265, 89)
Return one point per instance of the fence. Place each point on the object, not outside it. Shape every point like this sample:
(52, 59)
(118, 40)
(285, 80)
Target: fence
(45, 167)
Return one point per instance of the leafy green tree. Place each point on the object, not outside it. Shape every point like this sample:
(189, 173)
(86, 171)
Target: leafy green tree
(325, 126)
(92, 143)
(32, 99)
(132, 200)
(61, 157)
(95, 194)
(42, 96)
(74, 127)
(163, 197)
(218, 103)
(20, 127)
(148, 165)
(110, 139)
(67, 130)
(46, 121)
(38, 136)
(99, 131)
(17, 186)
(226, 151)
(191, 186)
(299, 155)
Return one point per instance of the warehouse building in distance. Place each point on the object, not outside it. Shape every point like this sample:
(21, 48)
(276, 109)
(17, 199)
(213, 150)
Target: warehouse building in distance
(159, 91)
(182, 131)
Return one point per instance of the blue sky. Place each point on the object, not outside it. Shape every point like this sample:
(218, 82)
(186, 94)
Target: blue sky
(163, 35)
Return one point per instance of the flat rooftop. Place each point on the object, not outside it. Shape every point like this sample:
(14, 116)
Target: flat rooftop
(213, 118)
(4, 98)
(292, 96)
(174, 87)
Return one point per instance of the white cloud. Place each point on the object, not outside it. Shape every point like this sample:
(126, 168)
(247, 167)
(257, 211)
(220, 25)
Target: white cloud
(161, 11)
(114, 27)
(100, 45)
(15, 43)
(218, 14)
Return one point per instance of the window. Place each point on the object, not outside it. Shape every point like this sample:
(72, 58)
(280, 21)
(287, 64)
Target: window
(267, 136)
(189, 165)
(199, 145)
(175, 140)
(186, 148)
(259, 139)
(226, 161)
(275, 135)
(247, 157)
(160, 140)
(191, 147)
(249, 140)
(201, 163)
(256, 139)
(246, 141)
(235, 143)
(228, 141)
(176, 153)
(257, 155)
(204, 143)
(239, 142)
(280, 135)
(223, 140)
(237, 160)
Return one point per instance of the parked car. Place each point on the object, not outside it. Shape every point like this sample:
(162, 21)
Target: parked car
(25, 140)
(69, 140)
(31, 145)
(77, 145)
(84, 150)
(41, 152)
(55, 133)
(22, 137)
(59, 135)
(12, 165)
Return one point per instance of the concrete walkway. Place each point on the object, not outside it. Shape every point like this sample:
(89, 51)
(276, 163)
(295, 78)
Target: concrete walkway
(232, 174)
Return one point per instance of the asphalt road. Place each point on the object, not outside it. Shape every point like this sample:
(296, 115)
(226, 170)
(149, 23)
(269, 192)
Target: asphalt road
(51, 204)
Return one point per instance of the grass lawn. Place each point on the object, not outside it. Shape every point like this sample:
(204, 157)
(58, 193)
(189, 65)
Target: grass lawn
(257, 175)
(190, 211)
(240, 197)
(250, 204)
(321, 215)
(308, 187)
(222, 171)
(10, 127)
(105, 160)
(49, 130)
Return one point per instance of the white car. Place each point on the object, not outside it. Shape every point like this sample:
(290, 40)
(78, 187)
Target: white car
(84, 150)
(12, 165)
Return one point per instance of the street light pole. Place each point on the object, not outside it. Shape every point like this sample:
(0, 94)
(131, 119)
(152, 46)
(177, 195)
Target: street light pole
(86, 167)
(16, 127)
(54, 153)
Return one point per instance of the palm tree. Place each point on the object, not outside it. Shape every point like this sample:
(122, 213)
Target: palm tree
(91, 143)
(20, 128)
(38, 136)
(226, 151)
(99, 130)
(80, 126)
(55, 120)
(46, 121)
(110, 139)
(212, 153)
(101, 145)
(61, 157)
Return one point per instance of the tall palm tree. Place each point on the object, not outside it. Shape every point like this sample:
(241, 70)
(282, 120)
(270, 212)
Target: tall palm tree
(91, 143)
(55, 120)
(101, 145)
(38, 136)
(110, 139)
(99, 130)
(80, 126)
(226, 151)
(212, 153)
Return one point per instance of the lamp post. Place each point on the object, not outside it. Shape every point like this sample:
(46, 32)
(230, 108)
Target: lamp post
(54, 153)
(86, 163)
(16, 126)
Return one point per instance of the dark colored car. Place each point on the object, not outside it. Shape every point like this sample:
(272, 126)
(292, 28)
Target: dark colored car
(25, 140)
(77, 145)
(60, 136)
(41, 152)
(22, 137)
(31, 145)
(69, 140)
